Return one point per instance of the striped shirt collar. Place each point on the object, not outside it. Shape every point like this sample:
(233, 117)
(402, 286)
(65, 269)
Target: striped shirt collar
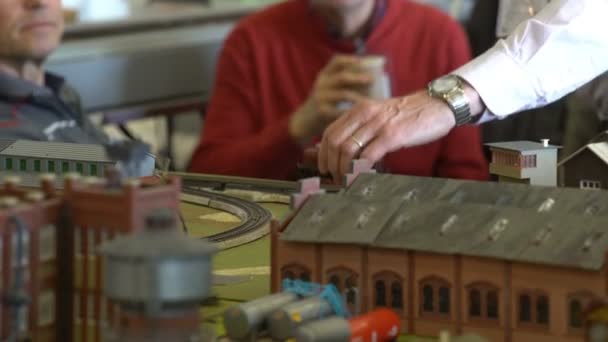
(380, 8)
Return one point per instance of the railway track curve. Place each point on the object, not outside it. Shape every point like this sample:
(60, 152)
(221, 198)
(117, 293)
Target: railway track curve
(255, 219)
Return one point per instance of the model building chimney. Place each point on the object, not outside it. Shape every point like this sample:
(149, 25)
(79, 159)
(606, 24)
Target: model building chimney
(545, 142)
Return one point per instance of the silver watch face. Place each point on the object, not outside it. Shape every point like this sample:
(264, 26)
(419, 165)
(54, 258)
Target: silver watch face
(444, 84)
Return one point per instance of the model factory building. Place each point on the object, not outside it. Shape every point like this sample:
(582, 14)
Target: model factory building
(52, 238)
(510, 262)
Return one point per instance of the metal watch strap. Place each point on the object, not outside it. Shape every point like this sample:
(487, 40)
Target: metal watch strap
(459, 104)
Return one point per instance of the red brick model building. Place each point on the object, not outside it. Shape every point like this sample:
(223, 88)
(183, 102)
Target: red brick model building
(39, 214)
(63, 231)
(508, 262)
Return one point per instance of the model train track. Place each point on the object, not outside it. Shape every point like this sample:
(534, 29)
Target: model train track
(218, 182)
(255, 219)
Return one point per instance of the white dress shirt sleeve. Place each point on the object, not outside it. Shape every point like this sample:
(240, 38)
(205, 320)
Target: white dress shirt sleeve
(547, 57)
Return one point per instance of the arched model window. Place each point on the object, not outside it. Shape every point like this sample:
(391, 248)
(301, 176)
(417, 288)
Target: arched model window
(435, 297)
(388, 291)
(295, 271)
(346, 281)
(483, 302)
(533, 309)
(577, 305)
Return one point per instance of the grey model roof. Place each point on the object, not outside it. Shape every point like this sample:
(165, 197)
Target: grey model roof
(446, 228)
(555, 226)
(54, 150)
(534, 198)
(5, 143)
(600, 149)
(521, 146)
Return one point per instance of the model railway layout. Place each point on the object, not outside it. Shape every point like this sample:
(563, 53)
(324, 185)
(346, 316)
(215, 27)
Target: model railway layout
(218, 182)
(255, 219)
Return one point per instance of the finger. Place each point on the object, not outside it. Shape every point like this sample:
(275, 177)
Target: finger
(365, 134)
(331, 137)
(334, 142)
(329, 113)
(370, 127)
(341, 62)
(348, 79)
(337, 134)
(348, 152)
(337, 96)
(322, 158)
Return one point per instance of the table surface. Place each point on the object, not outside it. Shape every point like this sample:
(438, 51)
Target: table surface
(250, 261)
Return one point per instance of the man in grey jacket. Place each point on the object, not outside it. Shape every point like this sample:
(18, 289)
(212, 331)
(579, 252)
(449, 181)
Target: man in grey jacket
(34, 104)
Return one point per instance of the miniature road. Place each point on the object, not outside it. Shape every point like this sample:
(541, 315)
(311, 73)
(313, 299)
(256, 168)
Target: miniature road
(255, 220)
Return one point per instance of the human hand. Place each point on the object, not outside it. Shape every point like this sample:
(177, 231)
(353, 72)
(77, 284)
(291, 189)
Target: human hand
(341, 81)
(374, 128)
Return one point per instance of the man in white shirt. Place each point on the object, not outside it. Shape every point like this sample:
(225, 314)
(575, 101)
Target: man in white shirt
(547, 57)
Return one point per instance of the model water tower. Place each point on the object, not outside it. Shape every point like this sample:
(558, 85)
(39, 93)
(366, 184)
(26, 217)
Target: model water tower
(157, 278)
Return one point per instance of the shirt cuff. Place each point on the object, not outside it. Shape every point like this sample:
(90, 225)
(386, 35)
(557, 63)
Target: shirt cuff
(487, 116)
(503, 85)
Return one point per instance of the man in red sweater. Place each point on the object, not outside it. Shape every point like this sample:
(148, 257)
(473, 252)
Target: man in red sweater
(283, 71)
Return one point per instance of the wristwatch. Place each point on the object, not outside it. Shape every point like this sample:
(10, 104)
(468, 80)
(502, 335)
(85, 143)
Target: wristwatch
(450, 90)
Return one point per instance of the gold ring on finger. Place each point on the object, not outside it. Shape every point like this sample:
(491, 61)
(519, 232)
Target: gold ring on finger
(360, 144)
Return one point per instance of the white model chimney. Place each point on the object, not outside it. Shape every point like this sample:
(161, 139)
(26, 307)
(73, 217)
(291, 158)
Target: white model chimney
(545, 142)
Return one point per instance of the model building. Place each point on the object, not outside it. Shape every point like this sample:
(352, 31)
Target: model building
(57, 255)
(526, 162)
(25, 157)
(505, 261)
(586, 168)
(158, 277)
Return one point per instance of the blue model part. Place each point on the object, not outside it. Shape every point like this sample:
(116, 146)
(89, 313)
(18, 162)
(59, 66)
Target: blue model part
(327, 292)
(301, 288)
(332, 295)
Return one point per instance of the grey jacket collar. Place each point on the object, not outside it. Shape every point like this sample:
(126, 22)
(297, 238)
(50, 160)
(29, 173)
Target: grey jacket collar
(13, 87)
